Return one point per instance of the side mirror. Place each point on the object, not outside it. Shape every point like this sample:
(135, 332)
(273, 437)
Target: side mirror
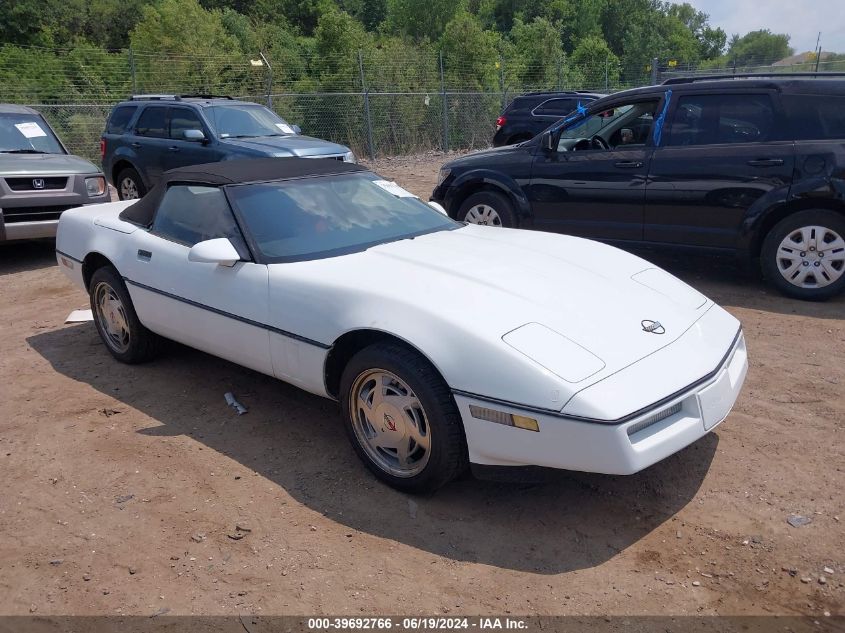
(297, 129)
(437, 207)
(217, 251)
(193, 135)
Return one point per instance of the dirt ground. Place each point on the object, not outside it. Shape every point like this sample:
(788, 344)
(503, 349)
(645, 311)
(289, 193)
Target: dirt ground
(122, 485)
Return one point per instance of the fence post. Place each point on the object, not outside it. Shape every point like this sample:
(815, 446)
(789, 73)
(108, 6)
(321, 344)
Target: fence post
(502, 88)
(445, 106)
(269, 80)
(559, 73)
(132, 72)
(654, 71)
(606, 63)
(365, 92)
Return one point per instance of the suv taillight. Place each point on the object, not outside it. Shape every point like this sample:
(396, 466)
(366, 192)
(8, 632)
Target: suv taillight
(102, 149)
(500, 122)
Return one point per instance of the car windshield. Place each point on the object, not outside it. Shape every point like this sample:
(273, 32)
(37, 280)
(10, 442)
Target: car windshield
(316, 217)
(27, 134)
(246, 121)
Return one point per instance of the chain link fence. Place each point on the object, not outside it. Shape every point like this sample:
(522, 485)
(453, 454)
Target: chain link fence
(378, 102)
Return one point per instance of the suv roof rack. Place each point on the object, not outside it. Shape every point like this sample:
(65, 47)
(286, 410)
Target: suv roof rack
(154, 98)
(205, 96)
(787, 75)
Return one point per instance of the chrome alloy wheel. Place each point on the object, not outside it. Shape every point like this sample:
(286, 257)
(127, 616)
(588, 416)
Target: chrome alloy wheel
(111, 315)
(390, 423)
(811, 257)
(128, 189)
(483, 214)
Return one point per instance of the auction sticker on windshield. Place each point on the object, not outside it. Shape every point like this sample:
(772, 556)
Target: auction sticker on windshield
(30, 129)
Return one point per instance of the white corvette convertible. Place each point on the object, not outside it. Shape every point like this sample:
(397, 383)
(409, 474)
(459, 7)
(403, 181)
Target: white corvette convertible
(445, 344)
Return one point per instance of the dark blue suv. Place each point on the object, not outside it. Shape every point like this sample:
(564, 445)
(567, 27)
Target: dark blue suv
(529, 114)
(151, 134)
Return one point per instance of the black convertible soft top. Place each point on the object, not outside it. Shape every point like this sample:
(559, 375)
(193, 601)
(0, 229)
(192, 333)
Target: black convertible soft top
(232, 172)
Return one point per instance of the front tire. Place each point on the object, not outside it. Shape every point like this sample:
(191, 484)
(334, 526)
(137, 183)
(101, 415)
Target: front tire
(488, 208)
(401, 419)
(129, 185)
(804, 255)
(115, 319)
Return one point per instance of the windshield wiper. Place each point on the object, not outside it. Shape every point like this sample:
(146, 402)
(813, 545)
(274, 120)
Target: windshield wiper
(22, 151)
(252, 135)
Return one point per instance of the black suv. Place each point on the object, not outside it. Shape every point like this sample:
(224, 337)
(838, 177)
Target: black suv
(151, 134)
(750, 164)
(529, 114)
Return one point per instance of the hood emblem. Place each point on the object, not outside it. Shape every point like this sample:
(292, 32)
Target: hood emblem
(653, 327)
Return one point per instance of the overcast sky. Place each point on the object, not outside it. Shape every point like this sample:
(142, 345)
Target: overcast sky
(801, 19)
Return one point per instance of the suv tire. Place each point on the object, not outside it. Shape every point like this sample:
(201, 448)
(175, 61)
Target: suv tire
(488, 208)
(129, 184)
(804, 255)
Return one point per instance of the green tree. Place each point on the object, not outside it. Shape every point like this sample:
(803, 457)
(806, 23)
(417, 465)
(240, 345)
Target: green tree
(537, 53)
(41, 22)
(598, 65)
(421, 19)
(759, 47)
(711, 42)
(179, 46)
(470, 54)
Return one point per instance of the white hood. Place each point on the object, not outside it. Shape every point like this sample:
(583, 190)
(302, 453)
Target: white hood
(465, 297)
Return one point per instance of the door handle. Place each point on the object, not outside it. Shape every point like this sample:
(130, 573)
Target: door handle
(144, 256)
(766, 162)
(136, 145)
(173, 148)
(628, 164)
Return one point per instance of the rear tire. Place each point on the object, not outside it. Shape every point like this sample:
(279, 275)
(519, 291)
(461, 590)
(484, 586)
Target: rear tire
(488, 208)
(804, 255)
(129, 184)
(401, 418)
(115, 319)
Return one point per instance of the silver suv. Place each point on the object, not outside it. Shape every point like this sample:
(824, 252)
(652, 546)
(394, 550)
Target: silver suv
(39, 179)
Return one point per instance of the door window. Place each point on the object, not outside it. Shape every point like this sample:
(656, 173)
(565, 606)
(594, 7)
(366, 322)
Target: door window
(120, 119)
(814, 117)
(182, 119)
(152, 122)
(714, 119)
(618, 127)
(191, 214)
(555, 107)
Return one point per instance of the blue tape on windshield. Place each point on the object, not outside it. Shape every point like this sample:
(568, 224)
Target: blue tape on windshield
(658, 125)
(580, 113)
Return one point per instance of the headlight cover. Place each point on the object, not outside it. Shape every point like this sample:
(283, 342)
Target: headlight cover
(443, 175)
(349, 157)
(95, 186)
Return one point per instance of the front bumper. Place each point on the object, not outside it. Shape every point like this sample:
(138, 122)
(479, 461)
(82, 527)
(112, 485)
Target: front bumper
(614, 449)
(34, 213)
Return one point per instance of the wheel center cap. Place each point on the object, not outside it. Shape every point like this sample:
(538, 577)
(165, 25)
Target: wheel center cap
(389, 420)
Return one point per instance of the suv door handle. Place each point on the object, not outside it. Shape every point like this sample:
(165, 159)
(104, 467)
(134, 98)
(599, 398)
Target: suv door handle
(628, 164)
(136, 145)
(766, 162)
(173, 148)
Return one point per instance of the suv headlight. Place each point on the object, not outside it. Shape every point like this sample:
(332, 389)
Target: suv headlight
(95, 186)
(349, 157)
(443, 175)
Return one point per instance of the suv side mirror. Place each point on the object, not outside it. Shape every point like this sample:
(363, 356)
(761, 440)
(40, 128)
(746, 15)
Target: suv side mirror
(217, 251)
(193, 135)
(297, 129)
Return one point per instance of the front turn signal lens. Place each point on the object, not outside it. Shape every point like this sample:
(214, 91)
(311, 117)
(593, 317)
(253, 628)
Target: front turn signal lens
(504, 418)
